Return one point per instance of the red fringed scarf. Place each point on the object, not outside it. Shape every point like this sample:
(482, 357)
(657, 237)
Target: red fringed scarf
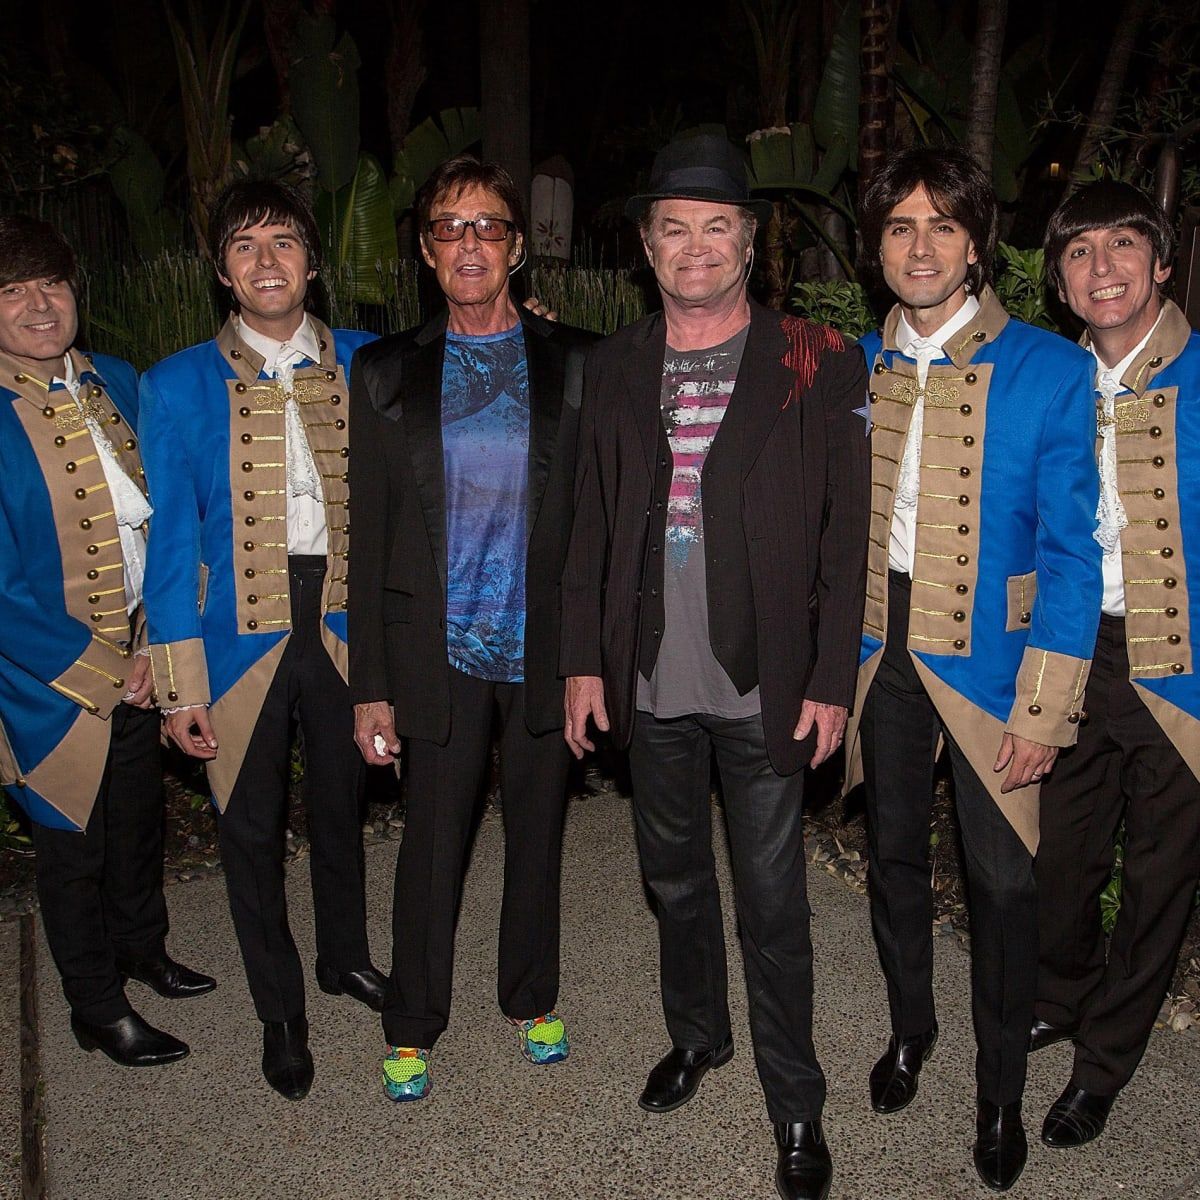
(807, 342)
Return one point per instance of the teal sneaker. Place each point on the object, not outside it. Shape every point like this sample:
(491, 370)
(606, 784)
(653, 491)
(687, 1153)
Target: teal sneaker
(543, 1039)
(406, 1073)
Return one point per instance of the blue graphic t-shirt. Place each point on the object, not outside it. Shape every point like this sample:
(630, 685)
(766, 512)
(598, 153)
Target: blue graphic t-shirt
(485, 448)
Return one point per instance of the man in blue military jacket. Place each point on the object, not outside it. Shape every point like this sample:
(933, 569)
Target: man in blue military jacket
(245, 442)
(78, 730)
(1108, 251)
(983, 594)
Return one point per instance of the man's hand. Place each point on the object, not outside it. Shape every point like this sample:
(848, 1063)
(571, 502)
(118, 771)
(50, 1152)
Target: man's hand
(1029, 761)
(538, 309)
(584, 698)
(139, 683)
(192, 731)
(374, 720)
(830, 720)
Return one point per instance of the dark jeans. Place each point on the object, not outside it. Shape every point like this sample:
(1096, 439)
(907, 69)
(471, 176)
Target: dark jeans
(100, 891)
(671, 763)
(1123, 765)
(444, 783)
(900, 729)
(306, 686)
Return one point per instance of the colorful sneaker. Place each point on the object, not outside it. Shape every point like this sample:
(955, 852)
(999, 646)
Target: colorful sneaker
(406, 1073)
(543, 1039)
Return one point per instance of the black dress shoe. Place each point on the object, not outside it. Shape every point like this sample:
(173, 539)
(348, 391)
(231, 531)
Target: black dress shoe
(675, 1078)
(1043, 1034)
(1000, 1147)
(1075, 1117)
(894, 1077)
(286, 1062)
(805, 1169)
(129, 1041)
(368, 987)
(167, 977)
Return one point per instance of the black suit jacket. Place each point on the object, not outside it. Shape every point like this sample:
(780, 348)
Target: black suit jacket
(786, 503)
(397, 576)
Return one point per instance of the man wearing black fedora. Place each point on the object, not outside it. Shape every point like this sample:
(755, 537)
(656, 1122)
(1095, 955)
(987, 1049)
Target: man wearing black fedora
(711, 604)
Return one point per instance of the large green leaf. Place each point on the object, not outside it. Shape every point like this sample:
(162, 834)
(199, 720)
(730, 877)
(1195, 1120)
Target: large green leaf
(781, 160)
(324, 87)
(360, 230)
(427, 147)
(836, 108)
(137, 178)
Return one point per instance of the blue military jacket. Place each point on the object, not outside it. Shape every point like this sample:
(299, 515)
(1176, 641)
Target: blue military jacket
(1158, 476)
(218, 608)
(1006, 581)
(65, 632)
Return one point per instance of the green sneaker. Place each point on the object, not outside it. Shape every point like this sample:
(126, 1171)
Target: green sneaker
(543, 1039)
(406, 1073)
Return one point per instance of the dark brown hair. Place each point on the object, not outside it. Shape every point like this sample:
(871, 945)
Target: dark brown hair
(1106, 204)
(959, 188)
(31, 249)
(250, 202)
(463, 171)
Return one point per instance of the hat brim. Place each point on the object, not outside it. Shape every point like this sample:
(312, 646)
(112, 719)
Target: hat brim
(635, 206)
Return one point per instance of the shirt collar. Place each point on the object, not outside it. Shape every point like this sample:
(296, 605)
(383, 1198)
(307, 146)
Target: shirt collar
(907, 336)
(303, 342)
(68, 377)
(1115, 373)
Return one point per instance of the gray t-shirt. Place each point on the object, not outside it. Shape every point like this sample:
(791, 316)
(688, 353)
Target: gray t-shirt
(687, 678)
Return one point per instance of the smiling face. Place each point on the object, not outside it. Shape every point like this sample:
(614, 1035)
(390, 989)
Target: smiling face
(38, 323)
(1111, 279)
(266, 266)
(699, 251)
(473, 273)
(925, 255)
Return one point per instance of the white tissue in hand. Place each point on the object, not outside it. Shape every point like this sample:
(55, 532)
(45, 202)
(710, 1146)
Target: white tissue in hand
(380, 744)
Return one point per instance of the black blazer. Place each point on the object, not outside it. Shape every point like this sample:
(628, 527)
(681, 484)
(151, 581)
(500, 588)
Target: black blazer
(786, 502)
(397, 576)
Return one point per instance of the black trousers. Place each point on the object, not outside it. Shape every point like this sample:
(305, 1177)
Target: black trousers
(900, 729)
(1123, 765)
(306, 687)
(671, 763)
(100, 891)
(443, 786)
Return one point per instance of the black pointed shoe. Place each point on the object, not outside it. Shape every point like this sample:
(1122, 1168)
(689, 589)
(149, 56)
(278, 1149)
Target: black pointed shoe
(1000, 1147)
(129, 1041)
(805, 1168)
(1043, 1034)
(368, 986)
(674, 1079)
(894, 1077)
(1075, 1118)
(165, 976)
(286, 1063)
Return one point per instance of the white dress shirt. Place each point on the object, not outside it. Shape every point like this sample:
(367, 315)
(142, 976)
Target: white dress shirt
(1110, 515)
(130, 506)
(306, 532)
(903, 539)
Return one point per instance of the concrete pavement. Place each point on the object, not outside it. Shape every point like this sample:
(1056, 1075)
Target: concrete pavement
(496, 1127)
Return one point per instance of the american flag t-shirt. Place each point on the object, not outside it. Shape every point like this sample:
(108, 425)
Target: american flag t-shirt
(696, 388)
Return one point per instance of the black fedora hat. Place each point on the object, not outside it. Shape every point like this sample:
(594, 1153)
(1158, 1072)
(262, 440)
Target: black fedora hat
(702, 166)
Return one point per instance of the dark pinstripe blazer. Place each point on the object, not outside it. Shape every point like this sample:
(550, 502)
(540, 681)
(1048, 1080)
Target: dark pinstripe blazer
(785, 493)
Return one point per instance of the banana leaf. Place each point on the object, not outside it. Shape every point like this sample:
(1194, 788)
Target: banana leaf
(360, 229)
(428, 146)
(138, 179)
(783, 161)
(324, 87)
(836, 109)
